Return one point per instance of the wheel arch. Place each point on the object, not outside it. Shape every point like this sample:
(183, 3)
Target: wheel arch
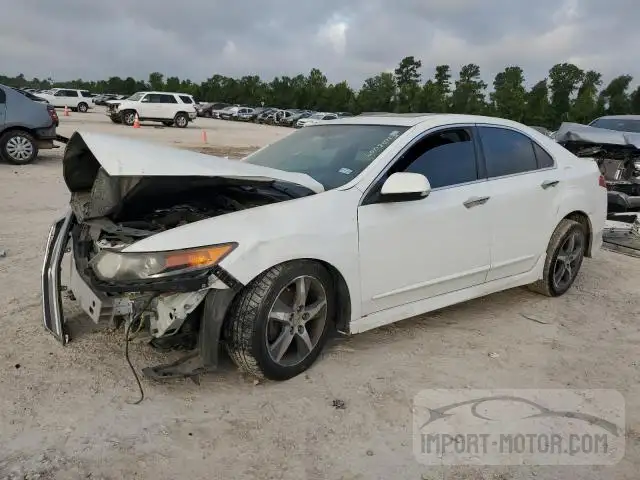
(342, 291)
(583, 219)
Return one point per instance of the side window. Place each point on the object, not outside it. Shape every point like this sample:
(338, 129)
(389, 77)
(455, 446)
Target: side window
(168, 99)
(446, 158)
(3, 96)
(61, 93)
(72, 93)
(185, 99)
(85, 94)
(544, 159)
(507, 152)
(153, 98)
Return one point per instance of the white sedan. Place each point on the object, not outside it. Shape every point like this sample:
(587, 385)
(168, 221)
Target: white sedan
(342, 226)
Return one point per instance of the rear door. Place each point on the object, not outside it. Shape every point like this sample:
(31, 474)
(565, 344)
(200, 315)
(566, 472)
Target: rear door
(168, 106)
(523, 187)
(66, 98)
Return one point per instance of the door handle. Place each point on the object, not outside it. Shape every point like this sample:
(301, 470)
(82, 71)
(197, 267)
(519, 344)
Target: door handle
(549, 183)
(475, 201)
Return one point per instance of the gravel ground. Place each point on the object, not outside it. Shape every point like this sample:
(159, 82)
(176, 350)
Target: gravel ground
(64, 411)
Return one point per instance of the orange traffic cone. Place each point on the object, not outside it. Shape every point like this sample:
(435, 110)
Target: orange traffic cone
(204, 136)
(66, 111)
(136, 122)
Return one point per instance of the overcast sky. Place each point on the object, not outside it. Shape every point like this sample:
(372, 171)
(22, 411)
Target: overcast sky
(346, 39)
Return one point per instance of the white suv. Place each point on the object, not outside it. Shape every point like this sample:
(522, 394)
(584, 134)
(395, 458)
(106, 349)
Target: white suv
(168, 108)
(77, 100)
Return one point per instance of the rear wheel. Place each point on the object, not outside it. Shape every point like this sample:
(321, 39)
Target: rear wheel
(83, 107)
(280, 322)
(564, 259)
(18, 147)
(181, 120)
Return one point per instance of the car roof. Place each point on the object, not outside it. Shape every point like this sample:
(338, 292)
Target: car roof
(413, 119)
(619, 117)
(170, 93)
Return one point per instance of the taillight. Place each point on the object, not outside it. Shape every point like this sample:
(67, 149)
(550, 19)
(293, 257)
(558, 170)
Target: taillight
(602, 182)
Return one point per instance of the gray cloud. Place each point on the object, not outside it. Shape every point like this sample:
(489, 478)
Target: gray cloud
(349, 40)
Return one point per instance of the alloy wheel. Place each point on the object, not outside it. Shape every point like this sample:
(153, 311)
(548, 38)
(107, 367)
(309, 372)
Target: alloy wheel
(296, 321)
(566, 265)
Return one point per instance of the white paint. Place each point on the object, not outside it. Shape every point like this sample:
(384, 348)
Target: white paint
(398, 259)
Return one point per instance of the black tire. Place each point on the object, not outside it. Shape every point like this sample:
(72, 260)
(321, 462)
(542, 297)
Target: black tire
(83, 107)
(18, 147)
(563, 232)
(167, 124)
(128, 117)
(181, 120)
(245, 331)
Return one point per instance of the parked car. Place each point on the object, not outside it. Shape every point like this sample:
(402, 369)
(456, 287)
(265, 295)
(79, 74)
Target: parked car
(25, 126)
(208, 109)
(165, 107)
(316, 118)
(246, 114)
(30, 95)
(76, 100)
(102, 99)
(614, 143)
(295, 116)
(266, 116)
(344, 114)
(346, 225)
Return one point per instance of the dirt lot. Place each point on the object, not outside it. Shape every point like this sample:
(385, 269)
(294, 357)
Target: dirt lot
(64, 411)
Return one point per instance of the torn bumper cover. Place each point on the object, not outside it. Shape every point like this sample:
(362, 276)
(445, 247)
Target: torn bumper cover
(164, 305)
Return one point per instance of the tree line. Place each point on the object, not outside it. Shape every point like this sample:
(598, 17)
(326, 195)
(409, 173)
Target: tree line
(569, 93)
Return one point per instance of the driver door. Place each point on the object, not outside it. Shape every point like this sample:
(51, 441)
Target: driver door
(414, 250)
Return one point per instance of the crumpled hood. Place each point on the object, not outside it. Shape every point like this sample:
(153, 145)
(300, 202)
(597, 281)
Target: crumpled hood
(100, 170)
(578, 133)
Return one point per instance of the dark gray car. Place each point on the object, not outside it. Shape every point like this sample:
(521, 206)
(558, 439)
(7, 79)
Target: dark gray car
(25, 127)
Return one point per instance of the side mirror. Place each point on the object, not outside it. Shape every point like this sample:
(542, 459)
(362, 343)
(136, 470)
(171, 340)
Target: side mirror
(404, 186)
(145, 100)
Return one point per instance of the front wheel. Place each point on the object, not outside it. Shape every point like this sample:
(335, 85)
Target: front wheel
(18, 147)
(129, 117)
(564, 259)
(279, 324)
(181, 120)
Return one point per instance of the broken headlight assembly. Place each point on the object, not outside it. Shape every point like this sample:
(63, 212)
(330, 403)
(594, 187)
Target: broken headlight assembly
(110, 265)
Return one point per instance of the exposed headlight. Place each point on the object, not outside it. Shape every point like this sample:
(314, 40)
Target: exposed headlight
(120, 266)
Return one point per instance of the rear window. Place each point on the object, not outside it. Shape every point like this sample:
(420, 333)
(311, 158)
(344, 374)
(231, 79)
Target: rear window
(186, 99)
(3, 96)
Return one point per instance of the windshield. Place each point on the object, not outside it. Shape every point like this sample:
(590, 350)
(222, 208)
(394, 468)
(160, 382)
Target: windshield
(618, 124)
(331, 154)
(318, 116)
(136, 96)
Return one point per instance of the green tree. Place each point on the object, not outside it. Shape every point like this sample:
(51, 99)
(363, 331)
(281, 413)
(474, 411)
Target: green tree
(156, 81)
(509, 97)
(468, 94)
(564, 80)
(585, 106)
(538, 109)
(615, 98)
(407, 76)
(378, 94)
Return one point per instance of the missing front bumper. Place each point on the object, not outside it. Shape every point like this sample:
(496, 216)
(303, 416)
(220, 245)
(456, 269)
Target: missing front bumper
(216, 303)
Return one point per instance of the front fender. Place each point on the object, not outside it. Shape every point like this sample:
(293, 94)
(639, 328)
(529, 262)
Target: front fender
(321, 227)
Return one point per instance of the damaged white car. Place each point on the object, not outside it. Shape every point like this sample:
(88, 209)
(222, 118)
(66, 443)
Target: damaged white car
(342, 226)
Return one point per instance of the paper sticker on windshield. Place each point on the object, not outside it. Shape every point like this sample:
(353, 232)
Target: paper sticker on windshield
(346, 171)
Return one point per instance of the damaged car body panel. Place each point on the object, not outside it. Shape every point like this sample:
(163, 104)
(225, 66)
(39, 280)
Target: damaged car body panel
(617, 154)
(141, 209)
